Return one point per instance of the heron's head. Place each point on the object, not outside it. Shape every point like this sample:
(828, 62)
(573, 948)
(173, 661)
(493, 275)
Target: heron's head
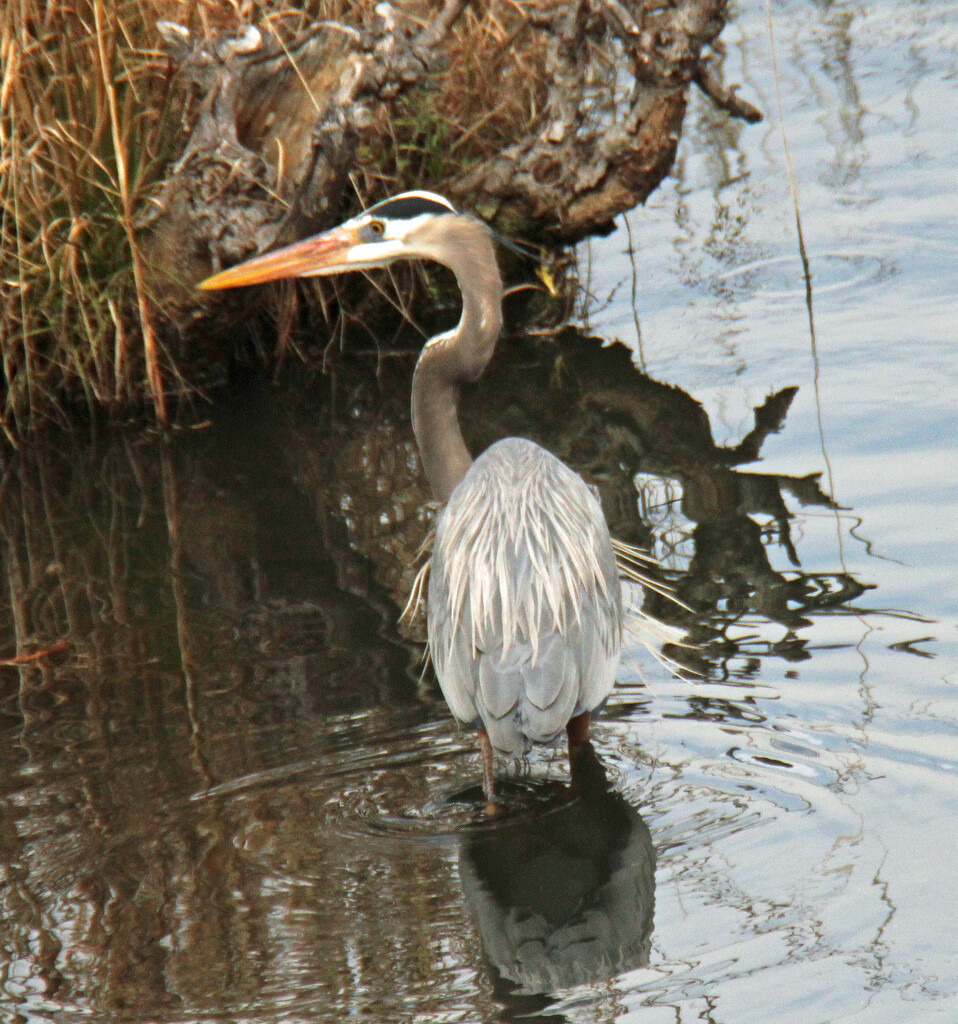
(410, 225)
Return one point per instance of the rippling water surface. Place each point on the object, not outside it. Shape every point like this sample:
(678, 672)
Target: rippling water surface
(228, 791)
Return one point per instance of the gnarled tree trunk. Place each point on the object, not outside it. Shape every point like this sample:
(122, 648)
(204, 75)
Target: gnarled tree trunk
(549, 119)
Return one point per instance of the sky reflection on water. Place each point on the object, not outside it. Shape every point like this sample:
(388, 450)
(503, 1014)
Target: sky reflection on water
(847, 898)
(234, 797)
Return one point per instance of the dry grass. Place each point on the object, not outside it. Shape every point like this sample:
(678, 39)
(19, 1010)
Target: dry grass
(87, 130)
(68, 193)
(487, 97)
(89, 122)
(84, 134)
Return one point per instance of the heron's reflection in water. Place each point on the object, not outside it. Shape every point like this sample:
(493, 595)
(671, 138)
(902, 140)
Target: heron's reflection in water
(562, 891)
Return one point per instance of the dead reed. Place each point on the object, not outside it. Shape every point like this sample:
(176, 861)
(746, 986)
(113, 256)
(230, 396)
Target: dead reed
(84, 134)
(90, 121)
(489, 94)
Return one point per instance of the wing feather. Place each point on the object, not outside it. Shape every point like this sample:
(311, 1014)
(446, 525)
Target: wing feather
(524, 610)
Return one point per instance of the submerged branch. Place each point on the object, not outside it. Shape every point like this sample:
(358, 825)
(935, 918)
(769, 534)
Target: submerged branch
(725, 98)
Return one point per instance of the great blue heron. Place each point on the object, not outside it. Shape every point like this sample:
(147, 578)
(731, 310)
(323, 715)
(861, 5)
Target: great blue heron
(524, 607)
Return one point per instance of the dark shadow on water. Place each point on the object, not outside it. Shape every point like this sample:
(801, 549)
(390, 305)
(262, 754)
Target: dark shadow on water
(294, 517)
(221, 605)
(561, 888)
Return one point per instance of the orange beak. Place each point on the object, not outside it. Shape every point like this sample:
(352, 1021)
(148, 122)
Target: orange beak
(322, 254)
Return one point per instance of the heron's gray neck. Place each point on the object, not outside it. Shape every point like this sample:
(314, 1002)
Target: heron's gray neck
(461, 356)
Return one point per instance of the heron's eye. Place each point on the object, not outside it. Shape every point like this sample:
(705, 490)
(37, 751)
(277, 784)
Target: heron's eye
(376, 228)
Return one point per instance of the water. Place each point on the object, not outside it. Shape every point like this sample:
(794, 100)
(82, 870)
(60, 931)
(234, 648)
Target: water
(228, 793)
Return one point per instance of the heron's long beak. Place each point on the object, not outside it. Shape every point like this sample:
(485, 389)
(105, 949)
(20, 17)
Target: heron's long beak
(322, 254)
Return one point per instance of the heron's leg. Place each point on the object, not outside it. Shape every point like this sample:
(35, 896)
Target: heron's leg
(587, 771)
(488, 765)
(578, 730)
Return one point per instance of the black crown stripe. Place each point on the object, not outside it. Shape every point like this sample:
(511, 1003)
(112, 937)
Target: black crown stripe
(410, 204)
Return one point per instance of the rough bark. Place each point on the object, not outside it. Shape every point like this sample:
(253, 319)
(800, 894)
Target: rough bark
(618, 78)
(274, 127)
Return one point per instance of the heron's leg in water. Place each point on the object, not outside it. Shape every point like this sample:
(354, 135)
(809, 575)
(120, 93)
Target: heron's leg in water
(488, 765)
(578, 730)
